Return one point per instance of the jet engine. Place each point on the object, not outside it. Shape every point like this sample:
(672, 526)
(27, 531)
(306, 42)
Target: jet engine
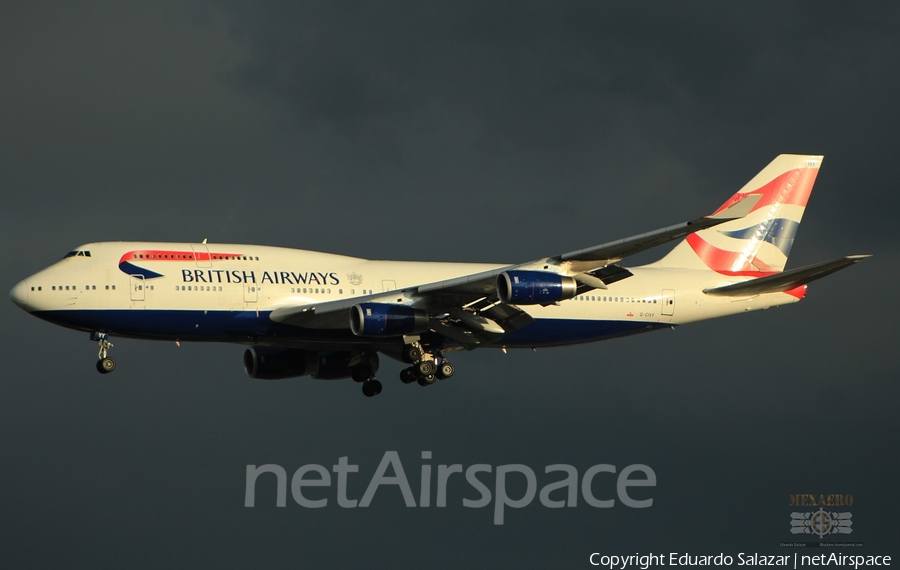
(534, 287)
(384, 319)
(267, 363)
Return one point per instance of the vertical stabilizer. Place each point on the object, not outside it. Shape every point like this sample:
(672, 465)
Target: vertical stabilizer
(759, 243)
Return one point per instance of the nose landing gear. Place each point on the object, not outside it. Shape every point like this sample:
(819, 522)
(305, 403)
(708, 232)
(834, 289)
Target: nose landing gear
(105, 364)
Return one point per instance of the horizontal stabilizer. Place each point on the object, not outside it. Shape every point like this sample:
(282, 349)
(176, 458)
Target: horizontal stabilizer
(786, 280)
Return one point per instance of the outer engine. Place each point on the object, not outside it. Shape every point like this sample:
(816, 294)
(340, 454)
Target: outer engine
(267, 363)
(383, 319)
(534, 287)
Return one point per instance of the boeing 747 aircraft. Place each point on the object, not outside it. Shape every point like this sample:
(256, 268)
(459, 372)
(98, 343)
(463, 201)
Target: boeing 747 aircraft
(306, 313)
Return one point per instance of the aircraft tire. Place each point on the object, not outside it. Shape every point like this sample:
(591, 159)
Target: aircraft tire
(106, 365)
(426, 367)
(445, 370)
(361, 372)
(371, 388)
(408, 375)
(411, 354)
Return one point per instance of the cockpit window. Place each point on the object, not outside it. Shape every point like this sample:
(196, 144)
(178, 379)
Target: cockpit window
(78, 253)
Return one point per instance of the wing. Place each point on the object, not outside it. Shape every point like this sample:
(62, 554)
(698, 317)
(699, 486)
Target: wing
(467, 309)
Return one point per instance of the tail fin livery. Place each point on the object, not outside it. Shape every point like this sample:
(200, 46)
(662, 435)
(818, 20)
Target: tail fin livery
(759, 243)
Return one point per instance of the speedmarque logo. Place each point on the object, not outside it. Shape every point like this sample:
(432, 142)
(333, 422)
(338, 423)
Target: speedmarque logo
(561, 491)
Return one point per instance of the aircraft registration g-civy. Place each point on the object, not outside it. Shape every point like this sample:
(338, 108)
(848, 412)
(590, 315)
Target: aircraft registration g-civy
(305, 313)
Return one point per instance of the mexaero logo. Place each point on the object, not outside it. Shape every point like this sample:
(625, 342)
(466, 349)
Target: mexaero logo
(128, 262)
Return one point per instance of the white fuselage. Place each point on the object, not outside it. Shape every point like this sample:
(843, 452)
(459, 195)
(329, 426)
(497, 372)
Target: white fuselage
(181, 291)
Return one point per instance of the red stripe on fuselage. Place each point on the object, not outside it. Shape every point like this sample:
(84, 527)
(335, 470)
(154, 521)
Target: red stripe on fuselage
(170, 255)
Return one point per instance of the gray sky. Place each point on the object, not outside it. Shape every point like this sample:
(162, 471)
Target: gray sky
(467, 132)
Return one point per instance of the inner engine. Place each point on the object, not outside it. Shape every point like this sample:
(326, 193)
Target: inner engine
(384, 319)
(534, 287)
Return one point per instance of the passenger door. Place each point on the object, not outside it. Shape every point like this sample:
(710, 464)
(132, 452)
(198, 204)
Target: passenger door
(668, 302)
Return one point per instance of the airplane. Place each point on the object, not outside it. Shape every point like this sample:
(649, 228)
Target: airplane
(326, 316)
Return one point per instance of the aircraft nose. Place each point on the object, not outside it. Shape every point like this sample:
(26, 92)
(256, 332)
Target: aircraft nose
(19, 294)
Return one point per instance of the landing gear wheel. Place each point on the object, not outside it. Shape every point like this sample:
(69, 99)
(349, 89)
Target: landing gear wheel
(426, 368)
(445, 370)
(412, 353)
(106, 365)
(408, 375)
(427, 380)
(361, 372)
(371, 388)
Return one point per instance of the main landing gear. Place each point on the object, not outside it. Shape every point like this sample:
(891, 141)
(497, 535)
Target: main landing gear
(426, 367)
(364, 372)
(105, 364)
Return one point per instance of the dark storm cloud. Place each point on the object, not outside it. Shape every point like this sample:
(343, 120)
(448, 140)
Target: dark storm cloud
(520, 102)
(467, 131)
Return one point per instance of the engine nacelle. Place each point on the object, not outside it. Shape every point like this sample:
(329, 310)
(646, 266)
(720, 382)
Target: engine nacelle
(267, 363)
(384, 319)
(534, 287)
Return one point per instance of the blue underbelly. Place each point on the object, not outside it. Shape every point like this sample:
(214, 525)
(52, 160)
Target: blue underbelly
(239, 326)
